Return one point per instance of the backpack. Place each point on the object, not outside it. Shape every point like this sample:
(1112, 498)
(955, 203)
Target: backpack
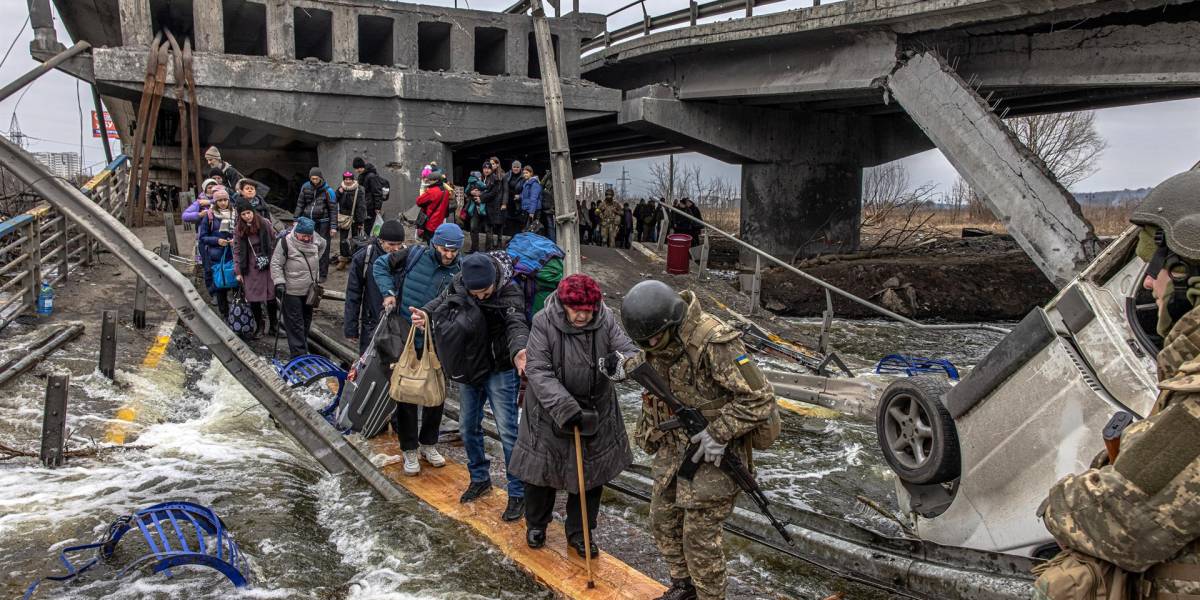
(385, 187)
(537, 268)
(456, 327)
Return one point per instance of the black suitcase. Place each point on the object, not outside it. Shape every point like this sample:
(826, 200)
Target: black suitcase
(366, 406)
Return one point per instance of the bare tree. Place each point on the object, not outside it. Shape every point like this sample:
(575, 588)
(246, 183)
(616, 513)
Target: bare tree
(1068, 142)
(662, 174)
(893, 207)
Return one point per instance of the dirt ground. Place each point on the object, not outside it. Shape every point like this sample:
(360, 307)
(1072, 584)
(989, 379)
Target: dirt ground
(955, 279)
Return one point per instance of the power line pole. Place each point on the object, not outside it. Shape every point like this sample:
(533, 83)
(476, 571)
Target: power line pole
(566, 221)
(624, 179)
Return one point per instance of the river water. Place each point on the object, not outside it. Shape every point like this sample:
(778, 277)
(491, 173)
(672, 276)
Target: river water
(198, 436)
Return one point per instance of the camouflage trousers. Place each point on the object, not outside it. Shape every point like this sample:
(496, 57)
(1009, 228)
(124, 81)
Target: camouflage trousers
(691, 542)
(610, 234)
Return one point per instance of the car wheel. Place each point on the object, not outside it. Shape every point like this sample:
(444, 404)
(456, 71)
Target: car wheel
(916, 433)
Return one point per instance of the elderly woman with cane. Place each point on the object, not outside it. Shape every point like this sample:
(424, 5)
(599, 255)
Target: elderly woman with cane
(571, 418)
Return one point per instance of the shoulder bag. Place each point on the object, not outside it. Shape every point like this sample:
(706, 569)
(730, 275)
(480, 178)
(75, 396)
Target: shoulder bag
(416, 380)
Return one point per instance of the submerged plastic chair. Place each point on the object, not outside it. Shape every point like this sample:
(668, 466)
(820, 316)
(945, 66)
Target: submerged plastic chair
(177, 533)
(303, 370)
(893, 364)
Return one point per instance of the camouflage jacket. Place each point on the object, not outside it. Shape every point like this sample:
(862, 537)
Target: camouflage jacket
(610, 214)
(708, 368)
(1144, 510)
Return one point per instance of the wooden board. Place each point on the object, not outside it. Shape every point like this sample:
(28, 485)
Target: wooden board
(554, 565)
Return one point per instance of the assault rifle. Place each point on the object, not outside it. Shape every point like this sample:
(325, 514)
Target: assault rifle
(693, 422)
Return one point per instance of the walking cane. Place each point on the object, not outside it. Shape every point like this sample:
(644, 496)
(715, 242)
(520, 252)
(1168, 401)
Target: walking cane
(583, 511)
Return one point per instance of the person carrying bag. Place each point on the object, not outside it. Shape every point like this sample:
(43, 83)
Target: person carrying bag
(417, 377)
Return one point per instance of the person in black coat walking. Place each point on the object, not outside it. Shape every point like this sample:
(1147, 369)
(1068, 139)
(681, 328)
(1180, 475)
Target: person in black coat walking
(364, 301)
(496, 200)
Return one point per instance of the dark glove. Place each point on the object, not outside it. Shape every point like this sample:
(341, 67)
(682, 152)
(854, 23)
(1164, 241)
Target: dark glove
(280, 290)
(573, 421)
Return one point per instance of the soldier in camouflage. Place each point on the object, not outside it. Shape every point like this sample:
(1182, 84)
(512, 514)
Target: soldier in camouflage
(708, 368)
(610, 218)
(1135, 524)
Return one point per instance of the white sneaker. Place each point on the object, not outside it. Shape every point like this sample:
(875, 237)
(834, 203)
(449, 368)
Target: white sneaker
(432, 456)
(412, 462)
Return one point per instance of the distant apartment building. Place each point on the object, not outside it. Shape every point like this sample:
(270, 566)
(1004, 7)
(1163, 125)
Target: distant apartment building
(61, 164)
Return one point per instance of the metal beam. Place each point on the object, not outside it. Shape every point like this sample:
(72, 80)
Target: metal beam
(1017, 186)
(309, 429)
(42, 69)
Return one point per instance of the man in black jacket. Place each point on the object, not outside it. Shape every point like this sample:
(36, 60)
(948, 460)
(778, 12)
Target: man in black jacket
(372, 185)
(512, 184)
(229, 175)
(484, 282)
(364, 301)
(318, 202)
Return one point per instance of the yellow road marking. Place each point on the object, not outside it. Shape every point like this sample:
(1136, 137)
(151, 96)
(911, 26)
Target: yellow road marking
(119, 430)
(554, 565)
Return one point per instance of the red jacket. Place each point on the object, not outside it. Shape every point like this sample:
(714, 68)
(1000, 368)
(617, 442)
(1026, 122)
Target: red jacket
(434, 202)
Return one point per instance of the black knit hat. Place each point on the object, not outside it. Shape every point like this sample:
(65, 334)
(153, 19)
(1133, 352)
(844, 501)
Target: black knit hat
(391, 231)
(359, 163)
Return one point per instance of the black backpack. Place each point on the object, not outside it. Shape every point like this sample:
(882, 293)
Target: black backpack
(457, 324)
(385, 187)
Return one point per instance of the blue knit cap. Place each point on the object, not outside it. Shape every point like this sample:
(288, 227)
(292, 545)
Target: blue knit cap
(448, 235)
(305, 225)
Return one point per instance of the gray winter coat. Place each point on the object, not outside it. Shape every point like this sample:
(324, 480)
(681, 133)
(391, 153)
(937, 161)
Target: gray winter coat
(562, 371)
(298, 269)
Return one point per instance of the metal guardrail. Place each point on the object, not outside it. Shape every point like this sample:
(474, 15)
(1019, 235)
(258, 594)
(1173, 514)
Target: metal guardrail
(690, 15)
(292, 413)
(829, 287)
(42, 244)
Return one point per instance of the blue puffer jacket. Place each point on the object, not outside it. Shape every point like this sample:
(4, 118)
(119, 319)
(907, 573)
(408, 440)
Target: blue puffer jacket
(211, 251)
(427, 278)
(531, 195)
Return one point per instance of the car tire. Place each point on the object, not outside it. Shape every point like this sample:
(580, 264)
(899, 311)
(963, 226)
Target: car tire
(916, 433)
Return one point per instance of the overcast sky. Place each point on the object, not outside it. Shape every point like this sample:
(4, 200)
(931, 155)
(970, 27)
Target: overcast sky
(1146, 143)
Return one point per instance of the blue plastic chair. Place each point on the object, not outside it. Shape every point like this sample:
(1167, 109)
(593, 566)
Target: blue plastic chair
(303, 370)
(177, 533)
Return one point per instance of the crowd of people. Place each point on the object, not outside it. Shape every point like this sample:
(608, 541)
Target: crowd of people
(541, 354)
(544, 364)
(617, 225)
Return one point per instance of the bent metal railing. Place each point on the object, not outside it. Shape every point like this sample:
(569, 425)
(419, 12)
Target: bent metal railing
(44, 245)
(290, 411)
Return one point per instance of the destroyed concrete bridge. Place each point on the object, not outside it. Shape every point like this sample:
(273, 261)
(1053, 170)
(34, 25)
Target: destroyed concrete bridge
(803, 100)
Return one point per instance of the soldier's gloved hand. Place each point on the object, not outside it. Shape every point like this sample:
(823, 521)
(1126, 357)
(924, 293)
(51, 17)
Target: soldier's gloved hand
(613, 366)
(710, 450)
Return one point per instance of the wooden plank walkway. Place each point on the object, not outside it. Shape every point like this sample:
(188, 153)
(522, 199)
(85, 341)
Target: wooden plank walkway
(554, 565)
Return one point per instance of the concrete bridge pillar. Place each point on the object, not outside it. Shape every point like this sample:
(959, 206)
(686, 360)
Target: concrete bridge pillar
(400, 161)
(281, 30)
(135, 22)
(801, 172)
(209, 26)
(802, 206)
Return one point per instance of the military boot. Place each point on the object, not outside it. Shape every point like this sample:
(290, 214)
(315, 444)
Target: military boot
(681, 589)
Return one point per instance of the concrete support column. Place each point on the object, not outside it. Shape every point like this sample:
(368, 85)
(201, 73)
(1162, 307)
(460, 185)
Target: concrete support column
(135, 22)
(568, 61)
(209, 25)
(802, 207)
(516, 52)
(400, 161)
(281, 30)
(42, 21)
(345, 36)
(1040, 214)
(404, 40)
(462, 48)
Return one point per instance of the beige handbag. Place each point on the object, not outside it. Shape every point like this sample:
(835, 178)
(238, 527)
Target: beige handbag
(418, 380)
(347, 221)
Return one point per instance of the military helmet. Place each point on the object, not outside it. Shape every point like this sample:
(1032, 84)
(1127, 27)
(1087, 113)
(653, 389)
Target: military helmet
(649, 308)
(1174, 207)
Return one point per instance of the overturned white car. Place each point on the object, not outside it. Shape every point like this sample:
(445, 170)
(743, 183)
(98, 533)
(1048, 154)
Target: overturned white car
(975, 460)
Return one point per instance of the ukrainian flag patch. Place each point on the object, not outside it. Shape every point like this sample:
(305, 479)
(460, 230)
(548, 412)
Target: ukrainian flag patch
(742, 360)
